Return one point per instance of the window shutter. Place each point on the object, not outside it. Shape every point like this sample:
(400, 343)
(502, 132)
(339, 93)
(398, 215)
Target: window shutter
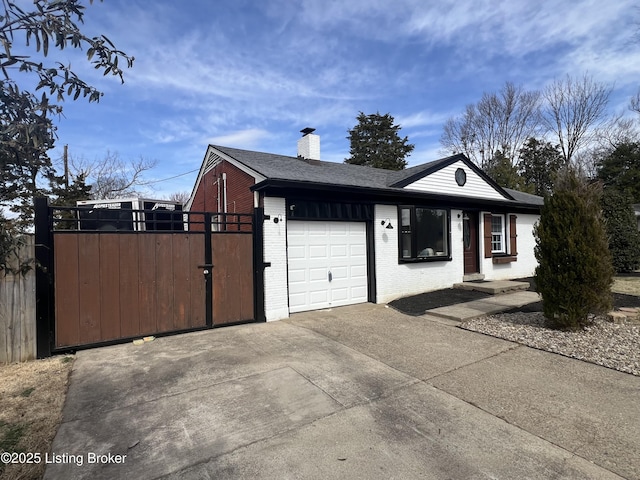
(513, 235)
(487, 235)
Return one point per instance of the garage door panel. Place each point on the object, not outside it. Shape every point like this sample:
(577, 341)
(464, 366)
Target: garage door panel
(297, 300)
(339, 229)
(339, 273)
(316, 274)
(315, 229)
(317, 248)
(359, 292)
(297, 276)
(339, 294)
(296, 252)
(317, 251)
(318, 298)
(358, 271)
(338, 251)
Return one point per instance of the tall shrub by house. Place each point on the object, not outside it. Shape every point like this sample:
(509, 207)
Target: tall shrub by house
(574, 273)
(622, 230)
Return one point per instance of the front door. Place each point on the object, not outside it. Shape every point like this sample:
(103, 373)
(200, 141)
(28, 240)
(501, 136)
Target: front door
(470, 239)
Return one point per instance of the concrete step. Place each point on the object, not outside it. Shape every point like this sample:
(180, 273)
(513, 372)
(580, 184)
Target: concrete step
(486, 306)
(473, 277)
(493, 286)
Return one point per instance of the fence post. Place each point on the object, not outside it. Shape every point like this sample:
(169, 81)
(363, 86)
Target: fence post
(208, 264)
(45, 322)
(258, 264)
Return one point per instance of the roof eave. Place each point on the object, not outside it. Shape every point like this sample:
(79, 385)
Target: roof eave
(391, 194)
(445, 163)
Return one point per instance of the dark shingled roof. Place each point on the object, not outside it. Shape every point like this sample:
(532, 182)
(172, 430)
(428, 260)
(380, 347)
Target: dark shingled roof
(282, 167)
(522, 197)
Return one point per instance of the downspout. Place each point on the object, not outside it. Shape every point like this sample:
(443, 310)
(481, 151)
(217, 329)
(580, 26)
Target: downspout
(218, 196)
(224, 191)
(224, 198)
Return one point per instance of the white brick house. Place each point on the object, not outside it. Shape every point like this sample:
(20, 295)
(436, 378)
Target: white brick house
(337, 234)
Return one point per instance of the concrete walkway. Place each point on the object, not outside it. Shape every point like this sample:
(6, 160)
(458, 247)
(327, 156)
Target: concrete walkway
(354, 392)
(486, 306)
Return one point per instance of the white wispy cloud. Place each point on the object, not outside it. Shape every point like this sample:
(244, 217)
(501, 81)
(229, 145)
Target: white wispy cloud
(251, 74)
(244, 138)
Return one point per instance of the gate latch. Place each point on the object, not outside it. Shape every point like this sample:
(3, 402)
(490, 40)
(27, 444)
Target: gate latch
(207, 268)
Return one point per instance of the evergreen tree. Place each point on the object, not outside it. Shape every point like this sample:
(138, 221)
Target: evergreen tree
(622, 230)
(539, 164)
(66, 196)
(505, 174)
(574, 272)
(375, 142)
(621, 169)
(27, 132)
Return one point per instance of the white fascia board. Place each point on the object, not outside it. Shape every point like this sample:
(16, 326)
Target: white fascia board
(204, 168)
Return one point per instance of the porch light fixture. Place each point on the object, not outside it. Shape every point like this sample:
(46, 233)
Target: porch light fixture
(387, 222)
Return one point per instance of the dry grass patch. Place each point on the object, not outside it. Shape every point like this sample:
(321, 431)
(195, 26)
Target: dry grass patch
(32, 396)
(626, 285)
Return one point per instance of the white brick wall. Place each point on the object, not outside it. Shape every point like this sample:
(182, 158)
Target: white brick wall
(276, 299)
(309, 147)
(394, 280)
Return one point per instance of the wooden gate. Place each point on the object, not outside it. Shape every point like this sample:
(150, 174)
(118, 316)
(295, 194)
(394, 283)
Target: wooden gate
(119, 284)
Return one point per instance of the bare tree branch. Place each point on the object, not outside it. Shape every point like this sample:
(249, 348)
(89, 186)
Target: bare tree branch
(499, 122)
(635, 103)
(575, 109)
(113, 177)
(181, 197)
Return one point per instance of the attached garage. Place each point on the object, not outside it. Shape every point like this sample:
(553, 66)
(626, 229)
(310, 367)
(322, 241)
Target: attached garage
(327, 264)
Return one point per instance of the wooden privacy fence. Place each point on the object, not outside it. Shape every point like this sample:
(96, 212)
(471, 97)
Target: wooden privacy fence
(110, 286)
(18, 309)
(110, 280)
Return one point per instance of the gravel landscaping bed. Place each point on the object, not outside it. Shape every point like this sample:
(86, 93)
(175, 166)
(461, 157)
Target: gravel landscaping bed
(611, 345)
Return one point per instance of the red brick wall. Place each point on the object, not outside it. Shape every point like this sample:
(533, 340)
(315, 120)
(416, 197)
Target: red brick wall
(239, 195)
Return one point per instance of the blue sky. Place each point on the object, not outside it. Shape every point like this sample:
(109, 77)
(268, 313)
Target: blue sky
(252, 74)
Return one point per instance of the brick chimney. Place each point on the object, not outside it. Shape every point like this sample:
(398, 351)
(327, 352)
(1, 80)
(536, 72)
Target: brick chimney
(309, 145)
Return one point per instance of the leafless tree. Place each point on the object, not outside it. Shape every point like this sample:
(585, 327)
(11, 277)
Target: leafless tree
(182, 197)
(499, 122)
(575, 108)
(113, 177)
(613, 132)
(635, 103)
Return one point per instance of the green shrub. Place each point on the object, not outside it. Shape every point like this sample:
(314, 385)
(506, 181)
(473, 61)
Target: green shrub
(622, 230)
(574, 272)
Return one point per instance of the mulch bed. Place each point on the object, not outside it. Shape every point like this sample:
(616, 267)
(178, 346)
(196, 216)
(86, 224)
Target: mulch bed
(418, 304)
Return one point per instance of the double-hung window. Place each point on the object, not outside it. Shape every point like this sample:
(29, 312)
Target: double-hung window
(498, 234)
(424, 234)
(500, 237)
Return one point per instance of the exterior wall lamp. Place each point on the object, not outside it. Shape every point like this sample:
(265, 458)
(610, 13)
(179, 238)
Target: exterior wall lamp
(387, 222)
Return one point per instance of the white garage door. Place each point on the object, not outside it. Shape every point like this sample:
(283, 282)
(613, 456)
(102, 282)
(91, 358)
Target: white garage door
(327, 264)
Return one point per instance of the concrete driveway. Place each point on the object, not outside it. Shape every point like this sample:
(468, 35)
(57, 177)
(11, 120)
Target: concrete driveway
(355, 392)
